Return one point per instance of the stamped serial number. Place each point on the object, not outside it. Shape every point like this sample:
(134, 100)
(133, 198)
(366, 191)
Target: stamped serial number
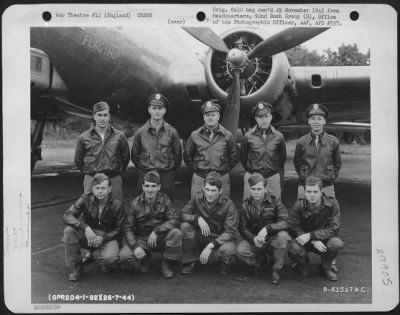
(344, 289)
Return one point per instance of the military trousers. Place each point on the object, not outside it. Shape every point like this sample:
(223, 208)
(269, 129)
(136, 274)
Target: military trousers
(298, 253)
(194, 243)
(107, 254)
(275, 246)
(169, 243)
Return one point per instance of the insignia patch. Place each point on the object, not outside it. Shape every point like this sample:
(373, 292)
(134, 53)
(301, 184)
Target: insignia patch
(316, 106)
(260, 106)
(208, 104)
(158, 97)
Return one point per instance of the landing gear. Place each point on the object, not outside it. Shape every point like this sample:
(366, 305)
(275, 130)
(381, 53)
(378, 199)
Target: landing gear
(36, 141)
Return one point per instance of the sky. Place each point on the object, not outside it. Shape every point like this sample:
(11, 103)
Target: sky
(332, 38)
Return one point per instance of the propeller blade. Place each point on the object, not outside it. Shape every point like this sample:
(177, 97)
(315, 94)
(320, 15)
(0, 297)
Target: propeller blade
(207, 37)
(285, 40)
(231, 114)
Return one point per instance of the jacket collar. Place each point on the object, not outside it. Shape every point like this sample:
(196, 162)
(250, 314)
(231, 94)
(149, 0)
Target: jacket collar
(142, 199)
(322, 138)
(151, 127)
(218, 129)
(109, 130)
(325, 202)
(257, 131)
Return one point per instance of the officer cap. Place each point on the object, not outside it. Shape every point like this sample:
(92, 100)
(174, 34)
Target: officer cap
(261, 108)
(99, 178)
(157, 100)
(316, 109)
(214, 178)
(100, 106)
(255, 179)
(210, 106)
(152, 177)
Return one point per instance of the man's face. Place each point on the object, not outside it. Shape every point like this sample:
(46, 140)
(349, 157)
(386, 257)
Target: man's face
(264, 120)
(101, 191)
(150, 189)
(157, 112)
(258, 191)
(317, 123)
(211, 192)
(313, 194)
(102, 118)
(211, 119)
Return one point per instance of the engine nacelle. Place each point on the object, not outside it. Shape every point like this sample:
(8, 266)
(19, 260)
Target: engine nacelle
(264, 79)
(44, 77)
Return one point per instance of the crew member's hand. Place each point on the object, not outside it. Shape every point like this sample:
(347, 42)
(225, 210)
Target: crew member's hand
(152, 241)
(90, 236)
(319, 246)
(262, 234)
(206, 253)
(139, 253)
(303, 239)
(98, 241)
(258, 242)
(205, 229)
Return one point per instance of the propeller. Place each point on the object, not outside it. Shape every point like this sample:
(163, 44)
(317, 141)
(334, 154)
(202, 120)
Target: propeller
(207, 37)
(284, 40)
(238, 59)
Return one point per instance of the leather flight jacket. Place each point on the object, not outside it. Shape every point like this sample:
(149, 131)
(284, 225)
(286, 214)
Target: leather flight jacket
(272, 215)
(204, 155)
(93, 155)
(265, 156)
(85, 212)
(322, 160)
(322, 223)
(152, 150)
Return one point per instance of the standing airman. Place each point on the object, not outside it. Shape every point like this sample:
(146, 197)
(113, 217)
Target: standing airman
(210, 148)
(263, 151)
(102, 149)
(157, 147)
(317, 153)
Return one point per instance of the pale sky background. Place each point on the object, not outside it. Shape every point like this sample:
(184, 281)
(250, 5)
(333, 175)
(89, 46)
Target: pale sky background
(332, 38)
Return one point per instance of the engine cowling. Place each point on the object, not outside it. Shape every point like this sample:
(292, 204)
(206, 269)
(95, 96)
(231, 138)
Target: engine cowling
(263, 79)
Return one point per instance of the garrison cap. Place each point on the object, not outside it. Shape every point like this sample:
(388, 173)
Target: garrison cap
(99, 178)
(210, 106)
(255, 179)
(100, 106)
(213, 178)
(157, 100)
(316, 109)
(152, 177)
(261, 108)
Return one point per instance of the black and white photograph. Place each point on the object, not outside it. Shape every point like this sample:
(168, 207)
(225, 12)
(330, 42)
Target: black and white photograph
(218, 157)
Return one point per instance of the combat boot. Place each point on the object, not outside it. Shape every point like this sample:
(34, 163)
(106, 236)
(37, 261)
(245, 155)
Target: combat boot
(188, 268)
(76, 272)
(145, 264)
(224, 269)
(328, 273)
(166, 271)
(276, 277)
